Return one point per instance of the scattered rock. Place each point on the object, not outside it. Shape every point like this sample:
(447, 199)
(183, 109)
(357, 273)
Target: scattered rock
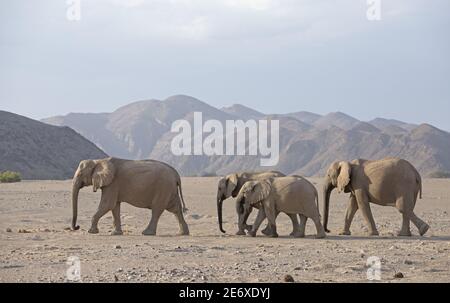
(24, 231)
(399, 275)
(117, 246)
(9, 230)
(120, 269)
(408, 262)
(116, 279)
(288, 279)
(362, 253)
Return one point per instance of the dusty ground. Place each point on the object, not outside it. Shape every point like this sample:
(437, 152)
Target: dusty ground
(43, 209)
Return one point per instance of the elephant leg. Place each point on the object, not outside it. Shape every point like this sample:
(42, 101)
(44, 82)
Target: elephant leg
(267, 231)
(420, 224)
(301, 231)
(405, 231)
(178, 212)
(117, 224)
(364, 206)
(271, 217)
(350, 214)
(151, 228)
(319, 227)
(104, 206)
(296, 229)
(405, 209)
(259, 219)
(242, 221)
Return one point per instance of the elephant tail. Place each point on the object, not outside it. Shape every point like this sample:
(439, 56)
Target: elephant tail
(419, 181)
(317, 202)
(180, 192)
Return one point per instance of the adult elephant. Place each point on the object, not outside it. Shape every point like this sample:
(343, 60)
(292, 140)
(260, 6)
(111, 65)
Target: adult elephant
(388, 182)
(230, 185)
(144, 184)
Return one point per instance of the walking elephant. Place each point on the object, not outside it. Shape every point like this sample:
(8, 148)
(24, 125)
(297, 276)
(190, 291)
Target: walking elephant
(291, 195)
(387, 182)
(145, 184)
(230, 185)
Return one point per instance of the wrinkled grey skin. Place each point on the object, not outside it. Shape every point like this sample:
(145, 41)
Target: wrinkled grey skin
(388, 182)
(291, 195)
(145, 184)
(230, 185)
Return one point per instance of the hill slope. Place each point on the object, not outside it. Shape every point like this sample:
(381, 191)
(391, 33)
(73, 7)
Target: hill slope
(41, 151)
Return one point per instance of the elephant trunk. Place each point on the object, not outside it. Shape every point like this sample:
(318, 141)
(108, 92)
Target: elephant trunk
(75, 190)
(219, 213)
(327, 189)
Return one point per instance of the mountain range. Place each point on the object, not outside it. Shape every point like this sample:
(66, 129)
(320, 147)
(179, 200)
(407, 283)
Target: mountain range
(40, 151)
(309, 142)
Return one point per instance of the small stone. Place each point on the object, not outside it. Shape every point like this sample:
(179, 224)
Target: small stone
(116, 279)
(9, 230)
(24, 231)
(362, 253)
(408, 262)
(117, 246)
(204, 278)
(120, 269)
(399, 275)
(288, 279)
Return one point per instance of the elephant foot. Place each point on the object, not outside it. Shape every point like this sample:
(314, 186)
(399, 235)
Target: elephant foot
(252, 233)
(345, 233)
(248, 227)
(183, 233)
(404, 233)
(116, 233)
(321, 236)
(149, 232)
(266, 231)
(327, 231)
(423, 229)
(241, 233)
(297, 234)
(274, 235)
(374, 233)
(93, 230)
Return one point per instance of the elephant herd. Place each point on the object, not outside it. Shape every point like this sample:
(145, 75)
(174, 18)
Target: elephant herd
(157, 186)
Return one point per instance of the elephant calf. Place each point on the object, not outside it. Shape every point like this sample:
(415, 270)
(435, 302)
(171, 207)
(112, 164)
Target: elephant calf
(291, 195)
(229, 186)
(144, 184)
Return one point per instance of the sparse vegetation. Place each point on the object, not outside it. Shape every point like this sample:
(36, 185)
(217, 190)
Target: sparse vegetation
(440, 175)
(10, 177)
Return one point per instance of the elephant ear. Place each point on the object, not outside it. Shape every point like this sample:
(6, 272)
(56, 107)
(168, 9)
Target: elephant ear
(103, 174)
(344, 176)
(232, 182)
(260, 191)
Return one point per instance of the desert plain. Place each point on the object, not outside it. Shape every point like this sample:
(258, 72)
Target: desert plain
(36, 242)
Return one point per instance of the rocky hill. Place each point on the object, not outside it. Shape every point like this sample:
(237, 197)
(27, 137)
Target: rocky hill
(40, 151)
(308, 142)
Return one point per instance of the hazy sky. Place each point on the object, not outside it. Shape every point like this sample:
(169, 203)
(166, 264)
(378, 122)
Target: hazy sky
(273, 55)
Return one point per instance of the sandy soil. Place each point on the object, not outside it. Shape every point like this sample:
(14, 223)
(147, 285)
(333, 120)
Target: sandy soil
(43, 210)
